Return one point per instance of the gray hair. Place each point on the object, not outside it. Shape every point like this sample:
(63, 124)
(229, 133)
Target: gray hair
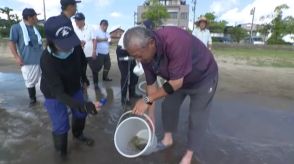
(137, 36)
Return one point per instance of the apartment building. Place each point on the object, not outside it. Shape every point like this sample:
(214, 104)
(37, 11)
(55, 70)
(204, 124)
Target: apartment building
(178, 11)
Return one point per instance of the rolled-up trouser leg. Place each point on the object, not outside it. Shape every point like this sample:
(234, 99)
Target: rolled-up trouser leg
(31, 75)
(170, 110)
(200, 103)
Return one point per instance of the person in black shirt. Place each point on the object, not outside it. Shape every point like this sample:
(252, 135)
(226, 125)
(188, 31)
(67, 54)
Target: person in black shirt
(63, 65)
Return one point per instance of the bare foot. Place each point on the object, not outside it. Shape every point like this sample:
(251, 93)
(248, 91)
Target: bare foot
(167, 139)
(187, 158)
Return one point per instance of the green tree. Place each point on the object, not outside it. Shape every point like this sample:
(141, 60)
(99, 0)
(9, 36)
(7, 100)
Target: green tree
(289, 22)
(41, 30)
(265, 28)
(6, 11)
(237, 33)
(210, 16)
(5, 24)
(155, 12)
(278, 26)
(214, 25)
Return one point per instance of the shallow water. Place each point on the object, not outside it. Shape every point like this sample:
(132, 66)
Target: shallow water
(245, 129)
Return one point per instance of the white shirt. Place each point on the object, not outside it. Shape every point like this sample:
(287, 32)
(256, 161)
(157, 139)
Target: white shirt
(203, 35)
(102, 47)
(121, 41)
(86, 34)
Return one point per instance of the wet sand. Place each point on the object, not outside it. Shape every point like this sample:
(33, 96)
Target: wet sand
(251, 121)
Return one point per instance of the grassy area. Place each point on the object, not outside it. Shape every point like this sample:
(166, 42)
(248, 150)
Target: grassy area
(258, 56)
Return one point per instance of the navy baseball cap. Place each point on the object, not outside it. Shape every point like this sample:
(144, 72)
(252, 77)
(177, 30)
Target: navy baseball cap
(60, 31)
(149, 24)
(68, 2)
(79, 16)
(29, 12)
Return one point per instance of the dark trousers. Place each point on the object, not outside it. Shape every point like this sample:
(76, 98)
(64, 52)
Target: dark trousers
(126, 67)
(104, 61)
(95, 68)
(200, 100)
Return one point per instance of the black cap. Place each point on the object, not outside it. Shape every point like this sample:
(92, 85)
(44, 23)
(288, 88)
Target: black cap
(149, 24)
(29, 12)
(60, 31)
(79, 16)
(68, 2)
(103, 21)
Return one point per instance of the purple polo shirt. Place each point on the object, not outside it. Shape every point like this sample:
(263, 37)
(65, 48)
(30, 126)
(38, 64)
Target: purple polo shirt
(180, 54)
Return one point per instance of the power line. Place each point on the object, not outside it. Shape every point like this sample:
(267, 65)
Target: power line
(252, 12)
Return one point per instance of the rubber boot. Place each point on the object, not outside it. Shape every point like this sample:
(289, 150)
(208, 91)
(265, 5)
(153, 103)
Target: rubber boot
(78, 126)
(60, 144)
(32, 94)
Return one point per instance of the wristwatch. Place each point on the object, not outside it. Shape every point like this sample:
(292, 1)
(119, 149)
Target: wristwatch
(147, 100)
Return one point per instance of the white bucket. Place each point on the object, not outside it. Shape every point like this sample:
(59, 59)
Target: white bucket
(132, 128)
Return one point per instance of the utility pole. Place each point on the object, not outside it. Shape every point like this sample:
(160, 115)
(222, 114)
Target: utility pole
(44, 9)
(135, 17)
(252, 12)
(194, 2)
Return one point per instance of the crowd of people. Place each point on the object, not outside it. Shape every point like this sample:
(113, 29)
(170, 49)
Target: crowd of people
(189, 70)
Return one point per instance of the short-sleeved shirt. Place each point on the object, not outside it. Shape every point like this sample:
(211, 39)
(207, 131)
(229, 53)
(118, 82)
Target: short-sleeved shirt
(32, 52)
(203, 35)
(180, 55)
(102, 47)
(121, 41)
(86, 34)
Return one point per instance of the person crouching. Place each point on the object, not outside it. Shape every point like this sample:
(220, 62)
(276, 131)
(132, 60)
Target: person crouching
(62, 64)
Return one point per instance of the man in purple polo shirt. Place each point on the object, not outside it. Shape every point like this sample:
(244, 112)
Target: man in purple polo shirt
(189, 70)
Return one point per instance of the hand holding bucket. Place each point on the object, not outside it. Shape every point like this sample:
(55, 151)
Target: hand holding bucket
(134, 129)
(140, 107)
